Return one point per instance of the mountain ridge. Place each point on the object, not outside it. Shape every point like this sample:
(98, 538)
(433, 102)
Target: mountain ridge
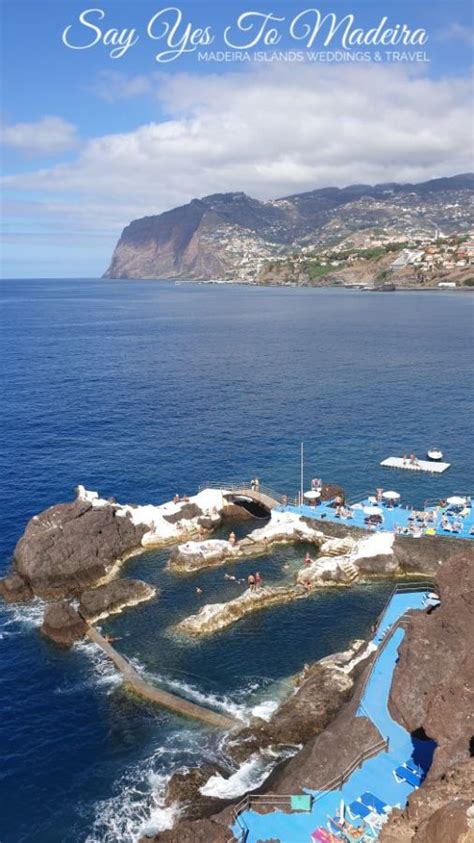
(231, 235)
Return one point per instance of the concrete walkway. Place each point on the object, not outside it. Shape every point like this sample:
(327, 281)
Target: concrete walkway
(144, 689)
(376, 774)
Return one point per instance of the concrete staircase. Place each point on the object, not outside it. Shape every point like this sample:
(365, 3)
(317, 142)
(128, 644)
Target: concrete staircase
(349, 569)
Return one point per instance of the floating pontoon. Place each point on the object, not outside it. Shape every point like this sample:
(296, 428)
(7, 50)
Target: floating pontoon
(417, 465)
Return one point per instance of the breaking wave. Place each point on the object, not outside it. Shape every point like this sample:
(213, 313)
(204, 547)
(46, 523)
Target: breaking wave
(136, 809)
(250, 775)
(104, 672)
(18, 618)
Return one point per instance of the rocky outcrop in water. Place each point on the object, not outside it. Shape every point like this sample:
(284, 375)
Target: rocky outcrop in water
(63, 624)
(71, 546)
(98, 603)
(282, 528)
(14, 589)
(184, 789)
(216, 616)
(321, 690)
(195, 555)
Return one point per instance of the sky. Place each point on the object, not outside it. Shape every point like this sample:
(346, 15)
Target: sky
(96, 134)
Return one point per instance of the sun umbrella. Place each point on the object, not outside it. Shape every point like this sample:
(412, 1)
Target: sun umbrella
(391, 496)
(455, 500)
(372, 510)
(312, 495)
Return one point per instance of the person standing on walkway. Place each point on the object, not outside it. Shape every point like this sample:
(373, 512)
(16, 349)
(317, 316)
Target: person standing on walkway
(258, 580)
(251, 582)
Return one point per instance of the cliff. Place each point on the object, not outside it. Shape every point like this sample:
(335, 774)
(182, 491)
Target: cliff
(232, 236)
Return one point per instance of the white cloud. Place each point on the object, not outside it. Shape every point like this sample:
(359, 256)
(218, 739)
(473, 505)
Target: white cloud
(48, 136)
(112, 85)
(269, 131)
(457, 32)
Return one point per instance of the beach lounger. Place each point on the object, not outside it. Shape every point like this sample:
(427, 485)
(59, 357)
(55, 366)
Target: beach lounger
(375, 804)
(403, 774)
(322, 835)
(345, 831)
(414, 768)
(357, 810)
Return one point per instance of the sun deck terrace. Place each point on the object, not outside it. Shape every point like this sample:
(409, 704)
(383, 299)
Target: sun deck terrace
(454, 519)
(382, 778)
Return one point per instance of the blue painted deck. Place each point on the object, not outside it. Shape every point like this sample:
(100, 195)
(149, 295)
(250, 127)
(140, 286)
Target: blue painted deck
(395, 519)
(376, 774)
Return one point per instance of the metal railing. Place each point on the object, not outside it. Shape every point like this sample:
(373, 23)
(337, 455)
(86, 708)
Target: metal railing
(284, 800)
(280, 800)
(243, 486)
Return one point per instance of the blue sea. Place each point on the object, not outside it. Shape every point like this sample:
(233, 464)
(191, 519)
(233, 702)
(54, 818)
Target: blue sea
(141, 390)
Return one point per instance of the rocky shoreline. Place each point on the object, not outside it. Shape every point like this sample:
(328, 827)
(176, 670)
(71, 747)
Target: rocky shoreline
(72, 553)
(431, 696)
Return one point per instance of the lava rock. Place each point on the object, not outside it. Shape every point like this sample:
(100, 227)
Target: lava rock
(185, 513)
(323, 689)
(438, 812)
(63, 624)
(97, 603)
(433, 683)
(184, 788)
(14, 589)
(71, 546)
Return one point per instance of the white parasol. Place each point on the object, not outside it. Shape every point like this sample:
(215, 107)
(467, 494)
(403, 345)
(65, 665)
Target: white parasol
(455, 500)
(372, 510)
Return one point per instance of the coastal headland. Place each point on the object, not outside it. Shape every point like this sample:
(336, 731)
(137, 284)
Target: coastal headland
(315, 732)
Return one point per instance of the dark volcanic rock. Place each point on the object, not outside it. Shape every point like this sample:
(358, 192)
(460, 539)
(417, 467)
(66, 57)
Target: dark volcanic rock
(71, 546)
(63, 624)
(433, 684)
(97, 603)
(14, 589)
(438, 812)
(183, 788)
(304, 715)
(325, 756)
(187, 512)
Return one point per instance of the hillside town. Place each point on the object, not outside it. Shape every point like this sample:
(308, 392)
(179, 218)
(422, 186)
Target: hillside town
(376, 257)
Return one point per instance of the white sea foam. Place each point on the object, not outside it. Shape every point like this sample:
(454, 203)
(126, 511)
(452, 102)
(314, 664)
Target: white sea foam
(104, 672)
(250, 775)
(265, 709)
(17, 618)
(137, 808)
(220, 702)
